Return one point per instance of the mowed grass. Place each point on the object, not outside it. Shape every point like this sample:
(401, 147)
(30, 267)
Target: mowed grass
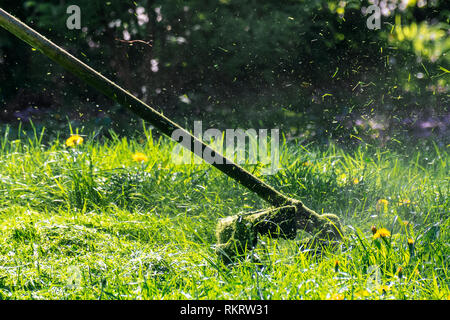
(89, 222)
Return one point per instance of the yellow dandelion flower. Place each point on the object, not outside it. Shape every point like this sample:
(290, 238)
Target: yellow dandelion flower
(362, 294)
(373, 229)
(383, 289)
(382, 205)
(355, 181)
(140, 157)
(411, 246)
(340, 11)
(382, 233)
(306, 164)
(405, 202)
(400, 272)
(337, 296)
(74, 140)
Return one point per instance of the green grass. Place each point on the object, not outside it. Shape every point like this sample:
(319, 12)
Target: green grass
(90, 223)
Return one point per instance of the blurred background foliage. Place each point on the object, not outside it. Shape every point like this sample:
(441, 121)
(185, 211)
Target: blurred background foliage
(309, 67)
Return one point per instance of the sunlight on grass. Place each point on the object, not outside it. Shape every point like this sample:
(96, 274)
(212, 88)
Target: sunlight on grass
(91, 223)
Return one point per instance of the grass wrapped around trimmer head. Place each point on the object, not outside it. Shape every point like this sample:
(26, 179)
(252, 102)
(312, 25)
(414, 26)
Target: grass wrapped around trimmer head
(239, 233)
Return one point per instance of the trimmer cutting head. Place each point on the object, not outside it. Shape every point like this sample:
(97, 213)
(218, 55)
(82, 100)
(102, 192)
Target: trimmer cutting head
(239, 234)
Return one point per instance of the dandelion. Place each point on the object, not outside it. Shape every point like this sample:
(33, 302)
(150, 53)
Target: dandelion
(140, 157)
(362, 294)
(400, 272)
(383, 289)
(337, 296)
(373, 229)
(74, 140)
(382, 205)
(355, 181)
(411, 246)
(382, 233)
(336, 266)
(405, 202)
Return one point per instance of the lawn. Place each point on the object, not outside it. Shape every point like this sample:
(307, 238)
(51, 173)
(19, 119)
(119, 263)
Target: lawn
(93, 222)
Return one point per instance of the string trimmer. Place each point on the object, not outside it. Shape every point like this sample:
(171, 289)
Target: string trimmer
(235, 234)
